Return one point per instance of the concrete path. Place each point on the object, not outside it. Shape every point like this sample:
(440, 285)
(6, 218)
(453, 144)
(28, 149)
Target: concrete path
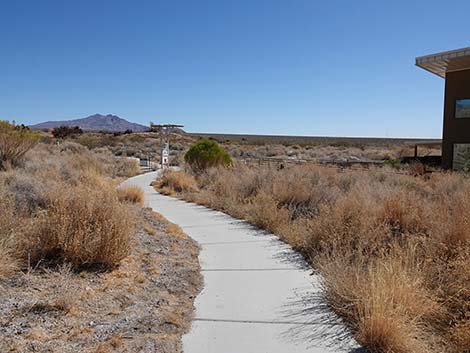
(257, 291)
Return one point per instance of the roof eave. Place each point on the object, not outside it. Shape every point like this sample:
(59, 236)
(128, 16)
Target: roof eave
(441, 63)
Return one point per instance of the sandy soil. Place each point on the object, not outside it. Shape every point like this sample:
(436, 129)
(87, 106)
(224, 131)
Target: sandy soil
(145, 305)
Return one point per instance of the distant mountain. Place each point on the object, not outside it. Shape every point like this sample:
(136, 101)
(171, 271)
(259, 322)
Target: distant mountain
(96, 122)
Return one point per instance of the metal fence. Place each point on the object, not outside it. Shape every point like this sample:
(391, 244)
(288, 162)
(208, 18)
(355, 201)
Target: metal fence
(340, 165)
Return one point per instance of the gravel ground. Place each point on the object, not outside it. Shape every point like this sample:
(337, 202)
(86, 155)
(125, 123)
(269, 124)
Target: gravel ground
(145, 305)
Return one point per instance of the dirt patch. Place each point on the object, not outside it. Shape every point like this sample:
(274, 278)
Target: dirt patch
(145, 305)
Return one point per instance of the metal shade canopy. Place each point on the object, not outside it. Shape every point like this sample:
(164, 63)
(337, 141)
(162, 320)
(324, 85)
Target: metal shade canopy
(165, 131)
(448, 61)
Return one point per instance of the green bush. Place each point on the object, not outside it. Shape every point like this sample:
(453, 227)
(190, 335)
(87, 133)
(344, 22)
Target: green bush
(15, 141)
(205, 154)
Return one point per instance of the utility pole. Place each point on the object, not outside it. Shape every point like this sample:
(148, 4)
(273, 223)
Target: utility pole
(164, 131)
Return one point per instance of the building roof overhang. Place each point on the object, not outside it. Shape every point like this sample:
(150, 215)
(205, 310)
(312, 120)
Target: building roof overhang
(448, 61)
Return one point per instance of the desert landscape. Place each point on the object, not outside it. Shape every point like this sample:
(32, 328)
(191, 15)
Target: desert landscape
(146, 145)
(241, 176)
(390, 242)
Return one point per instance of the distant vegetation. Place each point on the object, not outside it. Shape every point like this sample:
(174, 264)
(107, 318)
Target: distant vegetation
(147, 145)
(308, 140)
(206, 154)
(393, 250)
(64, 131)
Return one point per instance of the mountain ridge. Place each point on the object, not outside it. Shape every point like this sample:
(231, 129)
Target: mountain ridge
(95, 122)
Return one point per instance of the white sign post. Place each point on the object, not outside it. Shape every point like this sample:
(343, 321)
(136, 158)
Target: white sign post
(165, 155)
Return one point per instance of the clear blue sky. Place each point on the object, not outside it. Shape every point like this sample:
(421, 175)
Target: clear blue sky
(296, 67)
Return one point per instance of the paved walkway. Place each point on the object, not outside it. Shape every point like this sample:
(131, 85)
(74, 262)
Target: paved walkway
(256, 289)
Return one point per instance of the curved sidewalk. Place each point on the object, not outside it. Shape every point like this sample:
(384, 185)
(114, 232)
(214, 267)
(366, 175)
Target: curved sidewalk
(256, 289)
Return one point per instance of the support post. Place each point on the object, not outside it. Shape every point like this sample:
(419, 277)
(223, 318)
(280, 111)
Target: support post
(165, 133)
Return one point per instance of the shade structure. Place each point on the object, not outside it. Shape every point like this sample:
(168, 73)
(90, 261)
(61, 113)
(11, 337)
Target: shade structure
(448, 61)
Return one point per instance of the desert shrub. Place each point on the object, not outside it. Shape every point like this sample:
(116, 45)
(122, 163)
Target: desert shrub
(132, 194)
(302, 191)
(417, 168)
(137, 139)
(385, 301)
(264, 213)
(90, 142)
(83, 226)
(403, 215)
(175, 181)
(345, 225)
(395, 163)
(25, 190)
(205, 154)
(225, 184)
(15, 141)
(77, 159)
(125, 167)
(65, 131)
(119, 133)
(116, 167)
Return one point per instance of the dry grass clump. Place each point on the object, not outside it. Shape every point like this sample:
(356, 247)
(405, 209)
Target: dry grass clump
(176, 181)
(132, 194)
(393, 250)
(385, 301)
(62, 293)
(126, 167)
(83, 226)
